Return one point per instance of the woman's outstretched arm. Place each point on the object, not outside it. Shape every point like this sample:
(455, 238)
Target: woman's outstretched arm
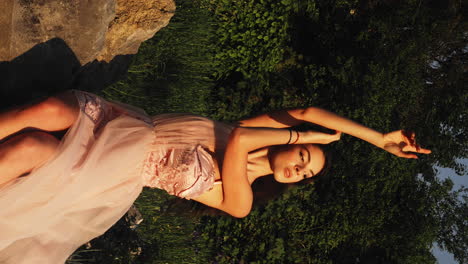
(287, 118)
(397, 142)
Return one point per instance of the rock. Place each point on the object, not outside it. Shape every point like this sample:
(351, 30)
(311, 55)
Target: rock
(92, 29)
(81, 24)
(135, 21)
(51, 45)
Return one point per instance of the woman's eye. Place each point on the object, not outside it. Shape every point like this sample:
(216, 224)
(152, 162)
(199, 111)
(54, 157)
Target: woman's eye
(305, 176)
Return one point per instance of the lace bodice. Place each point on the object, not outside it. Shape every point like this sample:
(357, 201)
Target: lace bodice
(179, 160)
(185, 172)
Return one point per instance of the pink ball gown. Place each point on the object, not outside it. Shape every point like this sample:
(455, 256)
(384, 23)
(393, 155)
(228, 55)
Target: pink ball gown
(100, 167)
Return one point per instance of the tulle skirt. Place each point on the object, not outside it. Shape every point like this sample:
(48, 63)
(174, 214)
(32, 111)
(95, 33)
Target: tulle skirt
(85, 188)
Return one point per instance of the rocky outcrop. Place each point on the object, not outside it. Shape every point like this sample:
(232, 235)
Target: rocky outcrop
(47, 46)
(135, 21)
(92, 29)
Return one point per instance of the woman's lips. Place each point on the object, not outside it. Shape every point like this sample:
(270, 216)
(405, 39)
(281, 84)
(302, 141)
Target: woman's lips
(287, 173)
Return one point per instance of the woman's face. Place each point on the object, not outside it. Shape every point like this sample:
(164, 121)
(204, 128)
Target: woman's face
(293, 163)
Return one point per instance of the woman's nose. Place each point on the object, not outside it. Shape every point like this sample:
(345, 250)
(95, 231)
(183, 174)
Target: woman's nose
(298, 170)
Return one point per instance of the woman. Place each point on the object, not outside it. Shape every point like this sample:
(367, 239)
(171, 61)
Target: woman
(56, 195)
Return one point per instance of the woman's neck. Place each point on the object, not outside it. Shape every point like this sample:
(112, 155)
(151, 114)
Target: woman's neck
(258, 164)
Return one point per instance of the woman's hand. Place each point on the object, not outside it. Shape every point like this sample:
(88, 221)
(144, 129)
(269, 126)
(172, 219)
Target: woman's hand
(402, 143)
(315, 137)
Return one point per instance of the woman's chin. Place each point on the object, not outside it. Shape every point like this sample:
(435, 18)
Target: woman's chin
(276, 177)
(279, 178)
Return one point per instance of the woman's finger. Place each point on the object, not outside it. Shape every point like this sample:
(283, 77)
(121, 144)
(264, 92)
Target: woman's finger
(416, 148)
(424, 151)
(337, 135)
(406, 155)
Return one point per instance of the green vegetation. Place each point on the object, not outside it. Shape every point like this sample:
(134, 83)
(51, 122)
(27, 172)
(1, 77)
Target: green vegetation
(172, 72)
(370, 61)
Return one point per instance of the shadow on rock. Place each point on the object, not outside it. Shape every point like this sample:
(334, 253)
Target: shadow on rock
(51, 67)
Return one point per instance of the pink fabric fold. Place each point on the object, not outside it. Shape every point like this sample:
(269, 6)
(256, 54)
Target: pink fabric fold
(87, 186)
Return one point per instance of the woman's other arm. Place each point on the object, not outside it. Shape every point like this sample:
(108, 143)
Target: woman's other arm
(235, 197)
(277, 119)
